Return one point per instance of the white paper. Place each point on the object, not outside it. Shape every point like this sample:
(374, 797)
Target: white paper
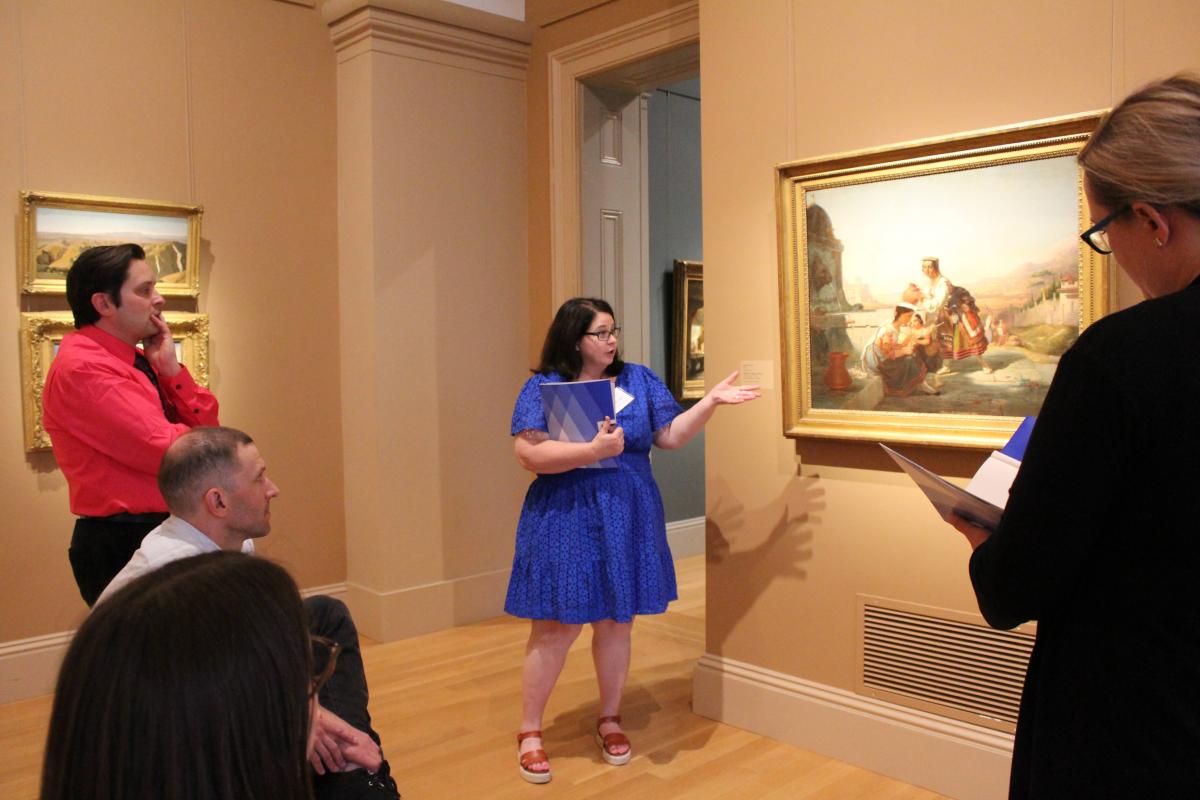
(994, 478)
(621, 398)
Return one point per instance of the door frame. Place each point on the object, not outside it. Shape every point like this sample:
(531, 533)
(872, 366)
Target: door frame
(667, 30)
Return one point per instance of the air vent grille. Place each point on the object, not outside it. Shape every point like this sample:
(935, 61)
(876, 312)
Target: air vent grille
(955, 667)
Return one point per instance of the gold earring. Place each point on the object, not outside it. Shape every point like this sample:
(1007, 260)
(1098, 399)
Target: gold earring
(1158, 241)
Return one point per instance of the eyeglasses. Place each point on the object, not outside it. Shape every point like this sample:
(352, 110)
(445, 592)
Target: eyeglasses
(604, 336)
(325, 654)
(1096, 237)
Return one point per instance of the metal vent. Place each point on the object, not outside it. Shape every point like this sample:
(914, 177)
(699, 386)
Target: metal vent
(944, 662)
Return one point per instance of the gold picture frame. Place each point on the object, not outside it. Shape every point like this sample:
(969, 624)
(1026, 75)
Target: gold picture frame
(41, 334)
(687, 331)
(985, 222)
(55, 228)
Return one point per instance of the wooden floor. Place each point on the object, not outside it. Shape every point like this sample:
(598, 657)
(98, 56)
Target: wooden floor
(446, 705)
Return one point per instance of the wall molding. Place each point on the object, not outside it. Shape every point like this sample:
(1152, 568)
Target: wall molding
(415, 610)
(674, 28)
(950, 757)
(686, 537)
(378, 30)
(337, 590)
(29, 667)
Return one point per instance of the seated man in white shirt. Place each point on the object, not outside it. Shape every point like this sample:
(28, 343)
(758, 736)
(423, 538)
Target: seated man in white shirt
(216, 487)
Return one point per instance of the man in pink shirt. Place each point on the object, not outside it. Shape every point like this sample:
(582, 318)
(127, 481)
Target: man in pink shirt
(112, 409)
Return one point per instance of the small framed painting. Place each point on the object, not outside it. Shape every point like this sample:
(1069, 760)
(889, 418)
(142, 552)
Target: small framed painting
(687, 331)
(56, 228)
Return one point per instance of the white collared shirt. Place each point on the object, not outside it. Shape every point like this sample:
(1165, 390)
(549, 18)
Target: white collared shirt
(172, 540)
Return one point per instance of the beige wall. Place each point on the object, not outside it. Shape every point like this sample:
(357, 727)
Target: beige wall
(798, 528)
(431, 196)
(225, 103)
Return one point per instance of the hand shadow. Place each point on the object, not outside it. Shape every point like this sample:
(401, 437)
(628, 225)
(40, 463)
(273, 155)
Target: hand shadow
(778, 555)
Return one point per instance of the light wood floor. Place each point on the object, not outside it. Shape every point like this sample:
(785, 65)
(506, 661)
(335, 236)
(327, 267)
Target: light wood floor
(446, 705)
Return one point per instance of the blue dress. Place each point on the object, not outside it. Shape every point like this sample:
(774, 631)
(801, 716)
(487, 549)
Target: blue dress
(592, 543)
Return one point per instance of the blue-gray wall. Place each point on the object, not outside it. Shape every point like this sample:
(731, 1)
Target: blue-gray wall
(675, 232)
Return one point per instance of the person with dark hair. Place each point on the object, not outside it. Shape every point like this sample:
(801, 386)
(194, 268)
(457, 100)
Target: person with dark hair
(216, 486)
(1097, 541)
(591, 543)
(111, 408)
(897, 354)
(194, 682)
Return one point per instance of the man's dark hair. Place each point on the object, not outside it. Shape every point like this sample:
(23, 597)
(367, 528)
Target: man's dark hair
(192, 681)
(195, 461)
(99, 269)
(560, 352)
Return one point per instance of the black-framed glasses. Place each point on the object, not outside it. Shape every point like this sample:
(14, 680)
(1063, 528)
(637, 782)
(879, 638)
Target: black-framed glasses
(325, 654)
(604, 336)
(1096, 237)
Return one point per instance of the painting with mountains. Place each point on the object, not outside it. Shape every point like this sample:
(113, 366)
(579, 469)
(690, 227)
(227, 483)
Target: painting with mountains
(58, 227)
(62, 234)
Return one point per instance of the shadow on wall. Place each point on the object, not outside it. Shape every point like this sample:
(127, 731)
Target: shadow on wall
(762, 560)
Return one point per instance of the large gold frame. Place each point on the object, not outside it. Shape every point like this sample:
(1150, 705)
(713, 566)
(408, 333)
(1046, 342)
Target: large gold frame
(993, 147)
(42, 332)
(32, 283)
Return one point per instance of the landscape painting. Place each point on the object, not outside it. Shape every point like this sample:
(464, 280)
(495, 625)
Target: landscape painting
(59, 227)
(933, 304)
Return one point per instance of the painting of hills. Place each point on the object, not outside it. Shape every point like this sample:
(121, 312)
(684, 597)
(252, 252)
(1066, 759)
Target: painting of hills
(62, 234)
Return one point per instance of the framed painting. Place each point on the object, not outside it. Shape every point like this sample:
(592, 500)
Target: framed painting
(56, 228)
(687, 331)
(929, 289)
(43, 332)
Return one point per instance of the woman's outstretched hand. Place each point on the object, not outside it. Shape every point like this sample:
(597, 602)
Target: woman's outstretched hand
(726, 394)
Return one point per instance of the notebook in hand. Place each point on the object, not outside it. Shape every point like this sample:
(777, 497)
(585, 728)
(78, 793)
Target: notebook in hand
(575, 411)
(946, 497)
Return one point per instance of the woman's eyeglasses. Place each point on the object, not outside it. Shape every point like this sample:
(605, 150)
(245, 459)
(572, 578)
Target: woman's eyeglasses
(1096, 237)
(325, 654)
(603, 336)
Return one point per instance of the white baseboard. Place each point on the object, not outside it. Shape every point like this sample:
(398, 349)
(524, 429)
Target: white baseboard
(29, 667)
(401, 613)
(686, 537)
(337, 590)
(952, 758)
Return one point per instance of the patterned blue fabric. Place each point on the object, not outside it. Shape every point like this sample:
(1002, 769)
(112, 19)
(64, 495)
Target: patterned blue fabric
(592, 543)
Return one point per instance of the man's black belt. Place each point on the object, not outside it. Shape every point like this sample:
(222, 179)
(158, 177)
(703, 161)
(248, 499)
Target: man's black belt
(134, 519)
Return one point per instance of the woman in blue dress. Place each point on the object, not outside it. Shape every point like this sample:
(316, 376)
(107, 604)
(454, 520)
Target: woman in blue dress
(591, 543)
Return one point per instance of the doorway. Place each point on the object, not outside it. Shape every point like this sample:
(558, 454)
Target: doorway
(640, 211)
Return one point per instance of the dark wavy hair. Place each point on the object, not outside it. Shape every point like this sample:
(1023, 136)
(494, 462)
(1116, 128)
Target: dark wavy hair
(190, 683)
(560, 352)
(99, 269)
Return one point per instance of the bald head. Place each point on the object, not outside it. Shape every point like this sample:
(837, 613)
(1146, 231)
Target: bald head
(197, 461)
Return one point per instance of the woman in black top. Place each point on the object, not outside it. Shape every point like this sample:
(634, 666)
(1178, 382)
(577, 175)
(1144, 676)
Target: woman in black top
(1098, 542)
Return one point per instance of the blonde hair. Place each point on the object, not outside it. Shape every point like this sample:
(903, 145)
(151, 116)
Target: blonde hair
(1148, 147)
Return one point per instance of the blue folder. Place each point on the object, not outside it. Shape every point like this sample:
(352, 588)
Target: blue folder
(575, 410)
(1015, 448)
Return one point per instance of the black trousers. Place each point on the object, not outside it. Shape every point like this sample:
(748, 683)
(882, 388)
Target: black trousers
(345, 694)
(102, 546)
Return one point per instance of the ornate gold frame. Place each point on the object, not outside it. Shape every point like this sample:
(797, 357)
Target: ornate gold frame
(32, 283)
(685, 272)
(993, 147)
(41, 333)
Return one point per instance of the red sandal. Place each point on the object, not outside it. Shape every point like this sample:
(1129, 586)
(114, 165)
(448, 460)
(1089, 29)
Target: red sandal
(613, 740)
(524, 760)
